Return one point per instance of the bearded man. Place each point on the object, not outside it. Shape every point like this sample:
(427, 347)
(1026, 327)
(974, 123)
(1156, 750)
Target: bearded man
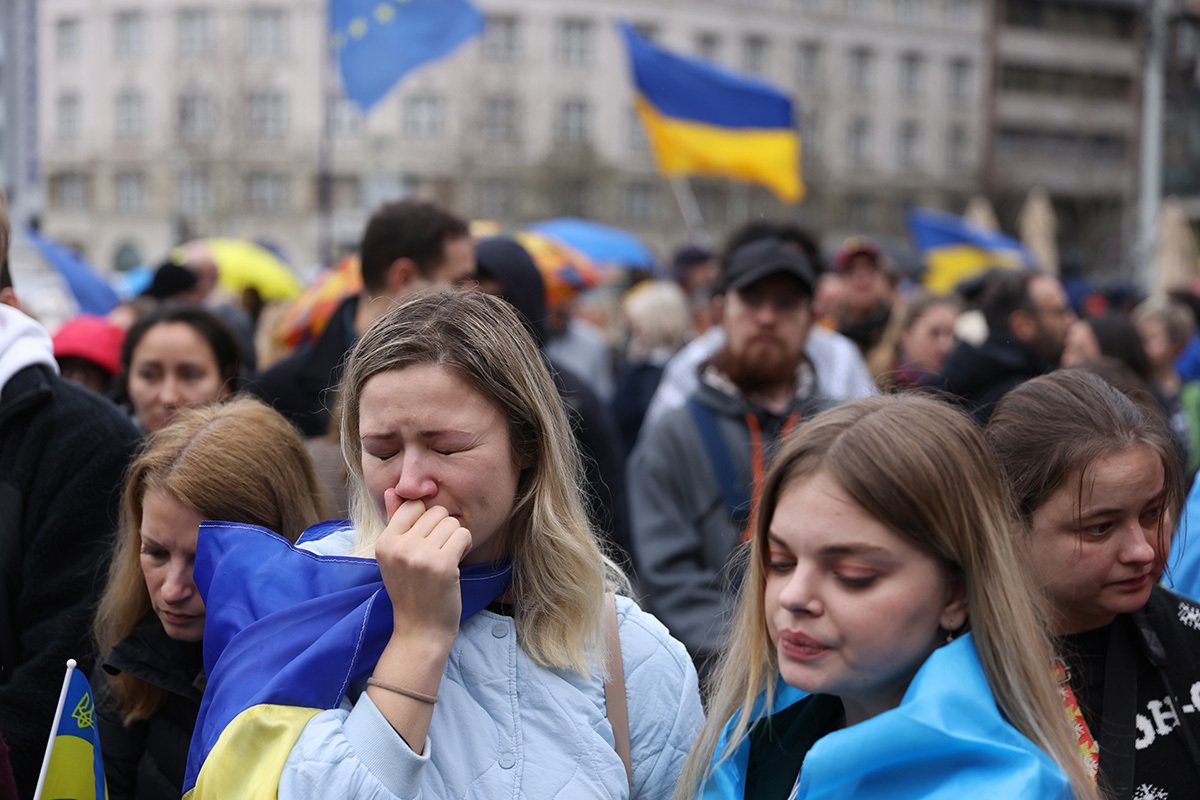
(695, 470)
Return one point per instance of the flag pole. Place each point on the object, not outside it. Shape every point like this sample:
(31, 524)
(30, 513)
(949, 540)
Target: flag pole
(690, 209)
(62, 698)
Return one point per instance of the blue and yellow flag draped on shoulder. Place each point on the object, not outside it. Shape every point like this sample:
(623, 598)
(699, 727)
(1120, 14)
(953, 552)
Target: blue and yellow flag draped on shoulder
(955, 250)
(376, 42)
(702, 119)
(287, 634)
(73, 766)
(945, 741)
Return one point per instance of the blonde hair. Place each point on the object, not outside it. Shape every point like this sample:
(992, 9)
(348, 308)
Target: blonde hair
(883, 359)
(560, 574)
(239, 461)
(658, 314)
(905, 460)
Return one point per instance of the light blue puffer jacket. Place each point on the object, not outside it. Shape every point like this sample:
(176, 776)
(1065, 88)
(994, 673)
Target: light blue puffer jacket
(505, 727)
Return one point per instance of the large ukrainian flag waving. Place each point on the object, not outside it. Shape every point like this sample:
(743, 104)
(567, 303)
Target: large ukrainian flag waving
(702, 119)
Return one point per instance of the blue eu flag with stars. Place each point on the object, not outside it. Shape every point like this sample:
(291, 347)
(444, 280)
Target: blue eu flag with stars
(376, 42)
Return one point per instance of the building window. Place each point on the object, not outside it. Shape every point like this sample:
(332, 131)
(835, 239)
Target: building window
(957, 154)
(346, 192)
(574, 122)
(908, 145)
(858, 72)
(959, 72)
(961, 11)
(912, 75)
(497, 198)
(69, 115)
(130, 116)
(572, 197)
(810, 131)
(69, 191)
(575, 45)
(640, 203)
(502, 40)
(501, 120)
(910, 10)
(343, 118)
(708, 45)
(860, 212)
(754, 55)
(858, 135)
(128, 34)
(268, 117)
(267, 191)
(424, 116)
(381, 188)
(268, 32)
(68, 38)
(197, 116)
(196, 36)
(195, 192)
(808, 63)
(636, 132)
(131, 192)
(860, 8)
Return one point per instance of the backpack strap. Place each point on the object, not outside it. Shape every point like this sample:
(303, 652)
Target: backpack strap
(615, 702)
(737, 500)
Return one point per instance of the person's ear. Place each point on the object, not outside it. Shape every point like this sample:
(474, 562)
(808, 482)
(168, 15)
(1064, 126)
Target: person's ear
(955, 610)
(401, 276)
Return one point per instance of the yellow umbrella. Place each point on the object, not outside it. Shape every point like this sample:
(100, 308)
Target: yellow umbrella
(242, 264)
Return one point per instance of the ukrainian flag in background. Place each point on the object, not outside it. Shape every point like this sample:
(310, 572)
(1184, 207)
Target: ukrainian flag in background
(287, 635)
(376, 42)
(955, 250)
(702, 119)
(73, 766)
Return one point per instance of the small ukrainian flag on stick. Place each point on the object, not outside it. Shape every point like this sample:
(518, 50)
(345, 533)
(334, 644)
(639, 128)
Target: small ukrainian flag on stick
(73, 766)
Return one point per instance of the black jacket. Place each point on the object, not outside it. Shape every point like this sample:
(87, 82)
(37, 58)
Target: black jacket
(301, 387)
(63, 454)
(977, 377)
(1156, 735)
(147, 760)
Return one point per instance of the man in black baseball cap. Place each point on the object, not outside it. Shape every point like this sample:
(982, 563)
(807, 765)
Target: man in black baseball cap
(754, 390)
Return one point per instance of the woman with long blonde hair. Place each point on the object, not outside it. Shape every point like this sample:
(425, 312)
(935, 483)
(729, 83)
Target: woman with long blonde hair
(236, 461)
(886, 643)
(459, 637)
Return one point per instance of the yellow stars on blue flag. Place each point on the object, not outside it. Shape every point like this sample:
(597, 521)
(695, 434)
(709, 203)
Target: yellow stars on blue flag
(376, 42)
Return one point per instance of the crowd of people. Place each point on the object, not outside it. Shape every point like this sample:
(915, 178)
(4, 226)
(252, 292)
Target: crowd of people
(779, 526)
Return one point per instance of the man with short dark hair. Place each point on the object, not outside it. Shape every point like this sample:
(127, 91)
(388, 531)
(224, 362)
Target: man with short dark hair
(694, 470)
(407, 245)
(1027, 316)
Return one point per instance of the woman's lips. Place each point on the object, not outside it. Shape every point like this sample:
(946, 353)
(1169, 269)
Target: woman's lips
(800, 646)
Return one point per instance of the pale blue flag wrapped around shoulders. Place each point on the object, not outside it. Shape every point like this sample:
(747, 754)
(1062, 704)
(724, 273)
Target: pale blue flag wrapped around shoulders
(945, 741)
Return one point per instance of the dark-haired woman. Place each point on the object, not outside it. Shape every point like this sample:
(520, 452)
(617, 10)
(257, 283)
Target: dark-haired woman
(175, 358)
(1096, 482)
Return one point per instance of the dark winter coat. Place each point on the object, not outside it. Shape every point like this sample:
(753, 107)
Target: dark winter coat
(977, 377)
(146, 761)
(63, 455)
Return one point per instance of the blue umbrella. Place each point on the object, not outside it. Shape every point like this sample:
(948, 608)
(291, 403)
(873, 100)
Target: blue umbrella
(601, 243)
(91, 292)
